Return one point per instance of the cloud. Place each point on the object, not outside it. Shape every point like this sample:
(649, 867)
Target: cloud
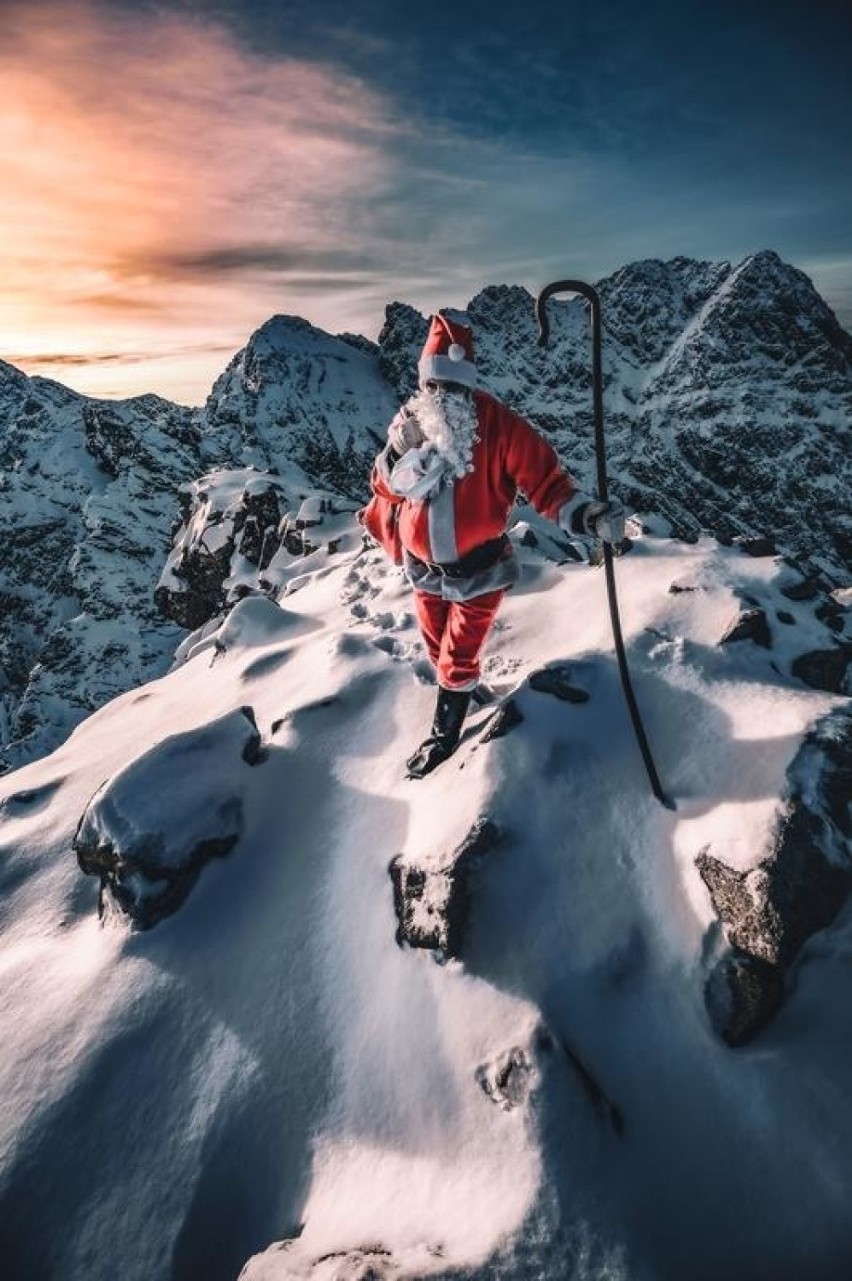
(166, 186)
(57, 360)
(146, 159)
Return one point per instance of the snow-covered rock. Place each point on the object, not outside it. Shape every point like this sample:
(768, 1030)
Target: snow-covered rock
(771, 910)
(147, 867)
(432, 898)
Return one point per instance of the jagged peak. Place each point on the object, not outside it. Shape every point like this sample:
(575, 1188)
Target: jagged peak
(500, 296)
(658, 272)
(12, 376)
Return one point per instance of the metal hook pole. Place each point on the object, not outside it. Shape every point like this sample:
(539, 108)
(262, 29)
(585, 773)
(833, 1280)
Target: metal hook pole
(593, 298)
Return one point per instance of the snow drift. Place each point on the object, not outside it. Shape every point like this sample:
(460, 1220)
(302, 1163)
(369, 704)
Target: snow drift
(277, 1080)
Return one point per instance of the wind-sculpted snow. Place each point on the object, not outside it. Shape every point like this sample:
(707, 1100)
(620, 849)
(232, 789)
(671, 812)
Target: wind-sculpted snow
(267, 1082)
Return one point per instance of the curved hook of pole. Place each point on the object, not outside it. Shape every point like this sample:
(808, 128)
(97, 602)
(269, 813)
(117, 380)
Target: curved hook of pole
(561, 287)
(592, 296)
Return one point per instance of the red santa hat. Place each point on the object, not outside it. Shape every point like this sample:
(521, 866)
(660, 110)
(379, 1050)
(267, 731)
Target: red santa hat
(448, 353)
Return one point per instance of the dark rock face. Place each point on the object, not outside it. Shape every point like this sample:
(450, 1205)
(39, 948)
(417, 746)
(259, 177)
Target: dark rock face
(750, 625)
(256, 525)
(832, 613)
(507, 717)
(221, 519)
(146, 871)
(432, 903)
(760, 546)
(826, 669)
(556, 680)
(771, 911)
(803, 589)
(743, 994)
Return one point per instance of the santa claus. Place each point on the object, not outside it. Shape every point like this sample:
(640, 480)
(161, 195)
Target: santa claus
(454, 461)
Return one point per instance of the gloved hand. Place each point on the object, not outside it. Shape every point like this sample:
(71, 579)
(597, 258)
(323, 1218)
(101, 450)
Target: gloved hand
(404, 433)
(604, 520)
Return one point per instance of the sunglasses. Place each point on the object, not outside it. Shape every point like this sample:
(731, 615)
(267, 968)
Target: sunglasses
(433, 385)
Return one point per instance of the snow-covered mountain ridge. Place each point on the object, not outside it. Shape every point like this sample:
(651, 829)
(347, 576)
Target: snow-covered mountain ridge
(557, 1097)
(728, 407)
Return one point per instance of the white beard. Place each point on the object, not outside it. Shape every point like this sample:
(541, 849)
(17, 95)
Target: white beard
(448, 422)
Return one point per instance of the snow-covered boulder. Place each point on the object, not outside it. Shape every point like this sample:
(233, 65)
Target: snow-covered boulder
(750, 624)
(147, 869)
(771, 910)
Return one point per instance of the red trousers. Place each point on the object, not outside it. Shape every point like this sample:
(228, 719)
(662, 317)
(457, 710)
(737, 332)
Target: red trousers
(454, 632)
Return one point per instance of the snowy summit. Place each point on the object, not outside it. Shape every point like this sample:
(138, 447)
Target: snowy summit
(273, 1010)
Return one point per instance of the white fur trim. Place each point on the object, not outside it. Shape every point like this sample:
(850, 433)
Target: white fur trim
(443, 369)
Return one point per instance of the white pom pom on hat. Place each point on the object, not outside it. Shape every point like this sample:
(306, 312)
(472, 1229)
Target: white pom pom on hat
(448, 353)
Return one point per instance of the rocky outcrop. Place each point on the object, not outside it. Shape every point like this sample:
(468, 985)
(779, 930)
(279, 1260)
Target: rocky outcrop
(236, 524)
(508, 1080)
(751, 624)
(826, 669)
(146, 872)
(432, 900)
(770, 911)
(226, 515)
(556, 679)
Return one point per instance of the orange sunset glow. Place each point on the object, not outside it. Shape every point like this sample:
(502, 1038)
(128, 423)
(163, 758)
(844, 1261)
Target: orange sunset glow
(165, 191)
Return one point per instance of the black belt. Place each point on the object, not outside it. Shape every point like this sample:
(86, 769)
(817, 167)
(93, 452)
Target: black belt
(474, 562)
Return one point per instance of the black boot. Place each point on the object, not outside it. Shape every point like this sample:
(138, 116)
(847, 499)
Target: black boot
(450, 712)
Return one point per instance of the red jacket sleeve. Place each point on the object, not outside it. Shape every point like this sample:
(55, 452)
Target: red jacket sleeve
(533, 464)
(379, 477)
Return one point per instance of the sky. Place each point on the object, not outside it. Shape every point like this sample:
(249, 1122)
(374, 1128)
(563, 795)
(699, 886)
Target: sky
(174, 173)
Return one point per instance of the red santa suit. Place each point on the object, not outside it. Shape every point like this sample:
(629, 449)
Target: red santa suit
(453, 528)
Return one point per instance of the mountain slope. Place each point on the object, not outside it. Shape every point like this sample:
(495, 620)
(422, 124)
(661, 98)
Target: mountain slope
(87, 500)
(267, 1063)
